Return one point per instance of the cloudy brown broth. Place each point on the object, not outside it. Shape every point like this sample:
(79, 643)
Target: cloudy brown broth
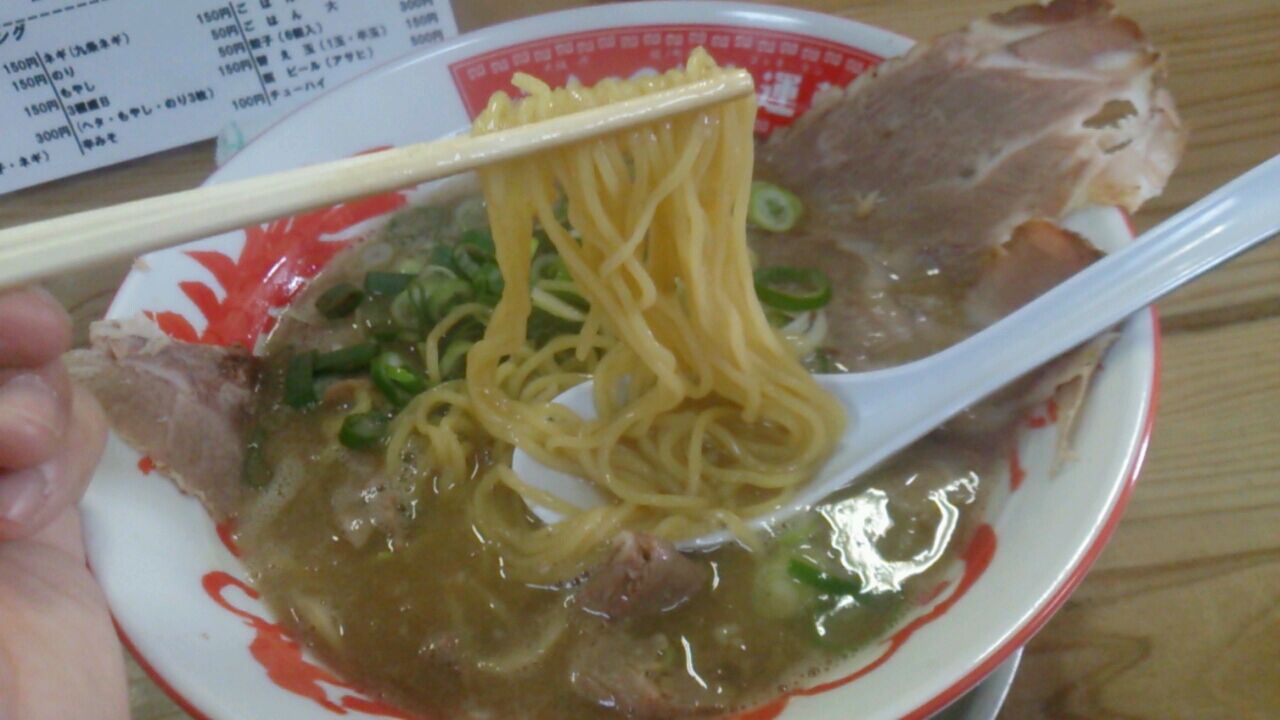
(426, 617)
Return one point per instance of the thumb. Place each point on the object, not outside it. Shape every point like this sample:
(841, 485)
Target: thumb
(59, 655)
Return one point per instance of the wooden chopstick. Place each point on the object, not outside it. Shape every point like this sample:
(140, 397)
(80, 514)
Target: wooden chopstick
(41, 249)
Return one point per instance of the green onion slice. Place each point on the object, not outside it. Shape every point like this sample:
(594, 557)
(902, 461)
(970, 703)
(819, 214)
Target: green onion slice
(339, 301)
(815, 577)
(793, 289)
(549, 267)
(444, 295)
(442, 257)
(405, 308)
(479, 238)
(364, 430)
(773, 208)
(396, 378)
(435, 273)
(822, 362)
(386, 283)
(469, 260)
(299, 381)
(346, 360)
(454, 359)
(489, 280)
(410, 265)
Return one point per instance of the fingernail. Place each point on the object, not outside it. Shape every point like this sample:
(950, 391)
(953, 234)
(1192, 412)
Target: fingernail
(23, 494)
(28, 400)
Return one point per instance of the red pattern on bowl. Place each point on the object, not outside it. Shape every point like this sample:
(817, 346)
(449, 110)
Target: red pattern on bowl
(788, 68)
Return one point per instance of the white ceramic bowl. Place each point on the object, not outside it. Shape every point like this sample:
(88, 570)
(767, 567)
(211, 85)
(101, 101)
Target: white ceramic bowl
(177, 592)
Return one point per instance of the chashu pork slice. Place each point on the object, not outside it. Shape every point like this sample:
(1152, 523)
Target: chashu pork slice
(186, 406)
(1024, 115)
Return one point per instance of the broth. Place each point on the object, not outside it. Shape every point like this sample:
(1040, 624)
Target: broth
(389, 581)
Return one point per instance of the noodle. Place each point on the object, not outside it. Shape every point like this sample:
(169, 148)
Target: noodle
(706, 415)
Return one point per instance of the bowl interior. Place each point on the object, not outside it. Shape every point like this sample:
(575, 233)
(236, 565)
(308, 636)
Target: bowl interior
(181, 598)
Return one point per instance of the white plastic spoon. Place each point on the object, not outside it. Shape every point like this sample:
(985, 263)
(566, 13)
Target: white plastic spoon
(889, 409)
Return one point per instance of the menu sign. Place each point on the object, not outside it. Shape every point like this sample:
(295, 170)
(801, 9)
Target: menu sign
(89, 83)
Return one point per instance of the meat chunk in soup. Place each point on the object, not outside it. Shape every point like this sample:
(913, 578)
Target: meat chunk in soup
(184, 405)
(365, 501)
(644, 576)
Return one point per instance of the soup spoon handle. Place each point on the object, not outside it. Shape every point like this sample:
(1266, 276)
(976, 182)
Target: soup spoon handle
(889, 409)
(1232, 219)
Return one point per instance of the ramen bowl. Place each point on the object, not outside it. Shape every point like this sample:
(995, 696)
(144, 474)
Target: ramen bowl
(184, 604)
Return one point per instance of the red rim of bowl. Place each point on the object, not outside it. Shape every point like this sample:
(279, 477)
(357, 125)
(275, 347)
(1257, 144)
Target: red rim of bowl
(978, 672)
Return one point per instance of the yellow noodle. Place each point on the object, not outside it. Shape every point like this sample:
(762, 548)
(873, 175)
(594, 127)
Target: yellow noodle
(706, 417)
(660, 253)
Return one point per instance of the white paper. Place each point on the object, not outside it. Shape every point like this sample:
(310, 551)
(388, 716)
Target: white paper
(89, 83)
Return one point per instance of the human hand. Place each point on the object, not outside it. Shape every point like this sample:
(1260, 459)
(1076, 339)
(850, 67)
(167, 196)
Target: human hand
(59, 656)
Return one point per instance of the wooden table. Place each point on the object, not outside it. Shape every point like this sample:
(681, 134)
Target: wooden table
(1180, 618)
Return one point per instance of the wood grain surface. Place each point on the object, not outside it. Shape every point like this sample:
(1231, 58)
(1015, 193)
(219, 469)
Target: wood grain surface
(1180, 617)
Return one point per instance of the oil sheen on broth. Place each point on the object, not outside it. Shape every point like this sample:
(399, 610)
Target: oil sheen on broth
(391, 584)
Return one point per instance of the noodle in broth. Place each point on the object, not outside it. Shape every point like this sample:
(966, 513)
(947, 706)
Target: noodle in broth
(390, 534)
(706, 416)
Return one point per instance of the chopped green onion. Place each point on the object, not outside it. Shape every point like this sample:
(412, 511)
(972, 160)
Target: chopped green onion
(469, 327)
(434, 273)
(410, 265)
(773, 208)
(445, 295)
(339, 301)
(405, 308)
(822, 362)
(469, 259)
(363, 430)
(549, 267)
(442, 257)
(346, 360)
(386, 283)
(396, 378)
(454, 358)
(479, 238)
(839, 625)
(488, 280)
(819, 579)
(566, 290)
(793, 289)
(300, 381)
(418, 297)
(543, 326)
